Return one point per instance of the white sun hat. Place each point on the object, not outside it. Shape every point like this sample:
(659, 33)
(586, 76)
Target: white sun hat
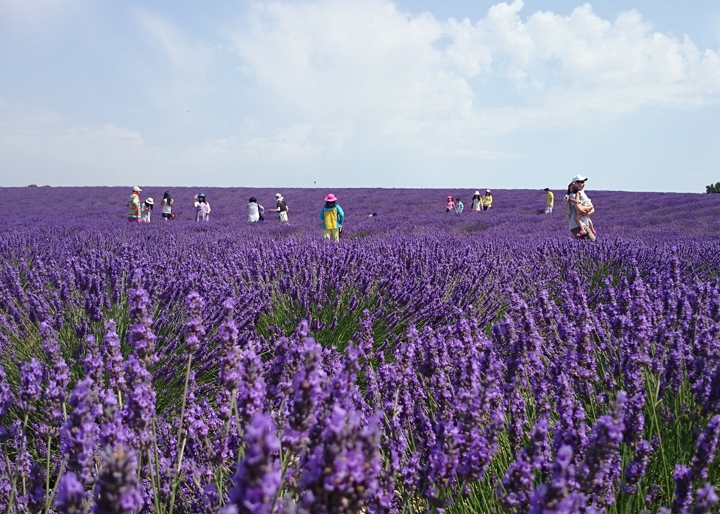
(579, 178)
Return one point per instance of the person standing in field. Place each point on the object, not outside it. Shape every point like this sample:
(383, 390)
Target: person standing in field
(476, 203)
(486, 200)
(332, 217)
(133, 205)
(202, 207)
(255, 210)
(281, 209)
(166, 206)
(577, 223)
(147, 210)
(549, 201)
(583, 207)
(458, 206)
(449, 205)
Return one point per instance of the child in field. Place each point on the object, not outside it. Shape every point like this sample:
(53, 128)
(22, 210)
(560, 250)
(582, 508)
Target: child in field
(583, 208)
(146, 210)
(450, 205)
(458, 206)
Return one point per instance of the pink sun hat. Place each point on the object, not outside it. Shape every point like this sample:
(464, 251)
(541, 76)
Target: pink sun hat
(330, 198)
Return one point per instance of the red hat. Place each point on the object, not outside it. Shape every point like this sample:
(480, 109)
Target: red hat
(330, 198)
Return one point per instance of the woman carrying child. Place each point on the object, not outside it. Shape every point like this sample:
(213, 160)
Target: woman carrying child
(578, 209)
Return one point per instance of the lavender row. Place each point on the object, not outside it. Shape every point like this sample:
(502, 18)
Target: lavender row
(236, 369)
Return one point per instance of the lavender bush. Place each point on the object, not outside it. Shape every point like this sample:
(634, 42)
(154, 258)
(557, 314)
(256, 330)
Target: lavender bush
(428, 362)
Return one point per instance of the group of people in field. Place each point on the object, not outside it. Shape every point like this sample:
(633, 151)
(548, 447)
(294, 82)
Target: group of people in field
(141, 212)
(477, 203)
(332, 215)
(578, 209)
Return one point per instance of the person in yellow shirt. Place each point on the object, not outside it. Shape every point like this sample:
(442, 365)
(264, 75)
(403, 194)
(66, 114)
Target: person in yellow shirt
(332, 217)
(549, 201)
(486, 200)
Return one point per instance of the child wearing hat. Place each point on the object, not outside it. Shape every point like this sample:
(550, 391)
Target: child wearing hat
(147, 210)
(332, 217)
(450, 205)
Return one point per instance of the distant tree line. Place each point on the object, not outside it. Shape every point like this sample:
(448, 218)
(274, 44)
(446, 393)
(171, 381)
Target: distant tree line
(713, 188)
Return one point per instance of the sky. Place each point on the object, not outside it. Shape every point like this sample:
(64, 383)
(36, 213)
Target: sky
(374, 93)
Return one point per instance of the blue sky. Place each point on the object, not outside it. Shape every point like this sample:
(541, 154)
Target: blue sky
(341, 93)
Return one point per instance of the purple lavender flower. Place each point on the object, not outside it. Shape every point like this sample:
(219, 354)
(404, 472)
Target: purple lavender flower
(78, 435)
(58, 378)
(92, 362)
(30, 385)
(251, 393)
(517, 485)
(636, 469)
(518, 480)
(705, 500)
(683, 489)
(113, 357)
(116, 489)
(194, 330)
(6, 400)
(308, 386)
(112, 429)
(208, 502)
(140, 335)
(557, 495)
(601, 466)
(339, 473)
(258, 474)
(139, 407)
(70, 495)
(705, 449)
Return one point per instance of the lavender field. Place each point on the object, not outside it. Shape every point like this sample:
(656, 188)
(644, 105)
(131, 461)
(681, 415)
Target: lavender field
(426, 363)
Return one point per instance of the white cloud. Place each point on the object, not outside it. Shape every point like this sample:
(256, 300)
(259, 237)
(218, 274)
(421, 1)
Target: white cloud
(443, 84)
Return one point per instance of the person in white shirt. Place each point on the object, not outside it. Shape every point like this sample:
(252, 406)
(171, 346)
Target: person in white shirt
(255, 210)
(203, 208)
(146, 210)
(166, 206)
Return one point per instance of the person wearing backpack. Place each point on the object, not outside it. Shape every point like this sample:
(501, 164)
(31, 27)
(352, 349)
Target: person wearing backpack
(255, 210)
(332, 217)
